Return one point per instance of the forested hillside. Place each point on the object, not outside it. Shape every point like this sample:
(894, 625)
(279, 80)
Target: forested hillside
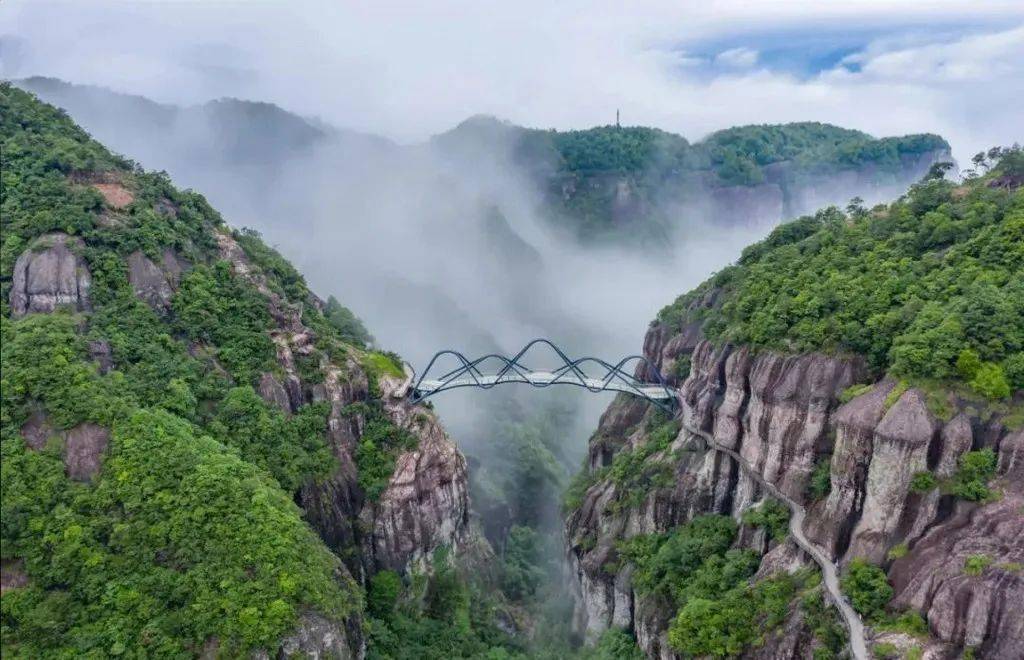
(629, 184)
(928, 288)
(146, 485)
(863, 365)
(735, 155)
(171, 389)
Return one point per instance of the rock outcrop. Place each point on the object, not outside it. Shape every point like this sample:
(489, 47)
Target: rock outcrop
(148, 282)
(84, 446)
(980, 609)
(782, 417)
(36, 431)
(319, 638)
(426, 502)
(49, 275)
(100, 353)
(273, 392)
(12, 574)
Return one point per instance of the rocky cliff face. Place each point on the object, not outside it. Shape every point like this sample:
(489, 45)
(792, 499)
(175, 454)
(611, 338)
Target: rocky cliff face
(782, 415)
(50, 275)
(426, 502)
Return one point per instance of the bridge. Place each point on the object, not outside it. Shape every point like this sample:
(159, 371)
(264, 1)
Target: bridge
(592, 374)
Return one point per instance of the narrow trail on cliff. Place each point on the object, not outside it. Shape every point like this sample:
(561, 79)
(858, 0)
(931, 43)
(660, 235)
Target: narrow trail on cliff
(829, 570)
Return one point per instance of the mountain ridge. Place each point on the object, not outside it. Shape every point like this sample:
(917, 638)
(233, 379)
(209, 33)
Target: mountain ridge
(906, 454)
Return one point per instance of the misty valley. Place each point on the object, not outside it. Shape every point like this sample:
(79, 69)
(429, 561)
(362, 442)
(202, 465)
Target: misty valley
(796, 431)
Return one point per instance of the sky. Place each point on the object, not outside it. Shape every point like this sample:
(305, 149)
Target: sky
(409, 70)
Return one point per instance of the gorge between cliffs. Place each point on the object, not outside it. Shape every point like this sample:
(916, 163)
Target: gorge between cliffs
(207, 455)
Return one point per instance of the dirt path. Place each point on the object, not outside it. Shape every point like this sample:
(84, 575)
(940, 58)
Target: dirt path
(829, 571)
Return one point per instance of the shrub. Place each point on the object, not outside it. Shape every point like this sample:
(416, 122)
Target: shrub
(216, 307)
(348, 325)
(616, 644)
(971, 479)
(990, 382)
(967, 364)
(522, 573)
(867, 588)
(820, 483)
(633, 471)
(383, 364)
(909, 622)
(383, 593)
(681, 368)
(580, 483)
(976, 564)
(772, 515)
(1014, 368)
(280, 274)
(823, 620)
(733, 622)
(895, 393)
(854, 391)
(664, 563)
(922, 482)
(898, 551)
(292, 449)
(378, 448)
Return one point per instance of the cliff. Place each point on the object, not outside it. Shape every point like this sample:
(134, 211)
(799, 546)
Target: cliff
(781, 415)
(916, 482)
(194, 459)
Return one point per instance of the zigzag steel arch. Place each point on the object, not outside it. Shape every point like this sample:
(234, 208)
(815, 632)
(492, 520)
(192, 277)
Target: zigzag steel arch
(471, 373)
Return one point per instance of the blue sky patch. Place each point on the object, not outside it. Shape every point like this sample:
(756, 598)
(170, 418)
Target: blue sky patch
(806, 51)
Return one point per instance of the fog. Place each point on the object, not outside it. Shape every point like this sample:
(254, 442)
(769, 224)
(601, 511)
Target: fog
(451, 243)
(445, 244)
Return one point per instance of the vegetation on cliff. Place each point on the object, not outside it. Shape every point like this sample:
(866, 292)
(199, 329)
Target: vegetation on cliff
(188, 531)
(695, 572)
(930, 287)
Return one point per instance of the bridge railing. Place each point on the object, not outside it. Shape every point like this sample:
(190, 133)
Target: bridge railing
(615, 377)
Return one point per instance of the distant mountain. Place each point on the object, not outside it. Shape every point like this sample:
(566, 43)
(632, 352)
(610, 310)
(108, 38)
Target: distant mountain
(620, 183)
(196, 141)
(607, 184)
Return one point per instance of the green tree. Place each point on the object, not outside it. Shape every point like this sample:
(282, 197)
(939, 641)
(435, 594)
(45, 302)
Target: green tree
(347, 324)
(867, 588)
(975, 470)
(990, 382)
(522, 573)
(383, 593)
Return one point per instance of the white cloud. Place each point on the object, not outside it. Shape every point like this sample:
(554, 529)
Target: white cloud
(408, 69)
(741, 57)
(984, 58)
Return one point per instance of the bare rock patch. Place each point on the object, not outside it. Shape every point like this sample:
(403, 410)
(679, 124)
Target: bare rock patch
(84, 447)
(50, 275)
